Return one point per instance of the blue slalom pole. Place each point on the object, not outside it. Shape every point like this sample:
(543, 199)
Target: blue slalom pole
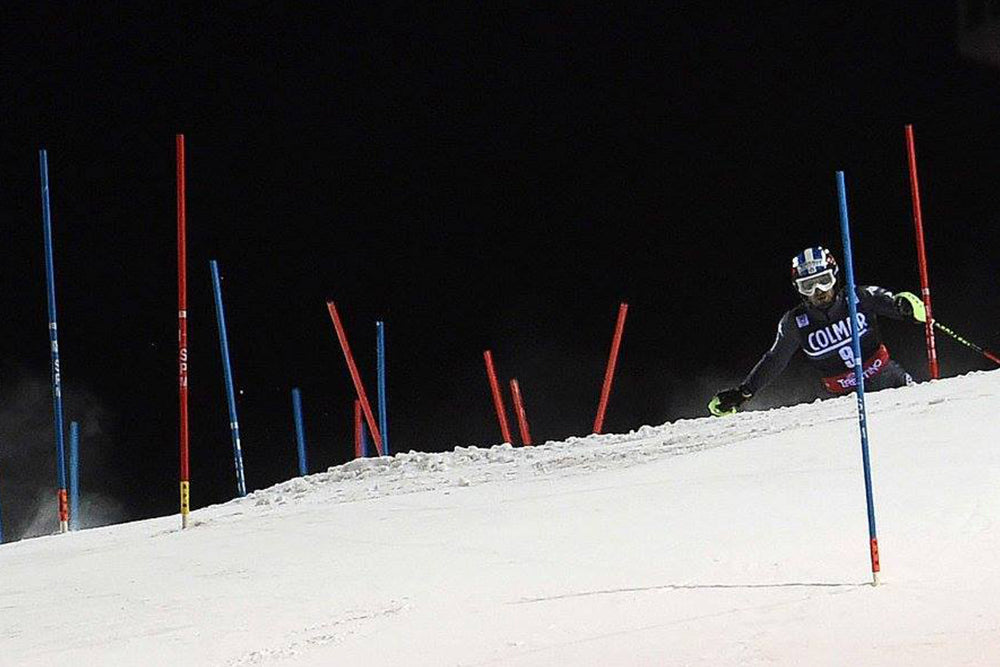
(300, 431)
(234, 424)
(74, 476)
(383, 417)
(852, 306)
(61, 499)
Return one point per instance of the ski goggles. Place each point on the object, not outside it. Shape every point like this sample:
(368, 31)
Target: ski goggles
(824, 280)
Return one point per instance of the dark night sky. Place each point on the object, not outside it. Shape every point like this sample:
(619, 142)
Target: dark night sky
(478, 178)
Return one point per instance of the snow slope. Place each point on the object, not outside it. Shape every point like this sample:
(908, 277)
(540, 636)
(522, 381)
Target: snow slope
(736, 541)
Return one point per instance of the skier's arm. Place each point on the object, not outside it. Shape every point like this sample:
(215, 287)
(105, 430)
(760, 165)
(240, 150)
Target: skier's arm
(902, 306)
(776, 359)
(727, 402)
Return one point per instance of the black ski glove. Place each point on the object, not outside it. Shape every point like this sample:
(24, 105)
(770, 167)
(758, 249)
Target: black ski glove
(728, 401)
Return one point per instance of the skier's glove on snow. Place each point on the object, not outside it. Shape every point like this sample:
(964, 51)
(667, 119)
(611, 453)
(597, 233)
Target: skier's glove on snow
(910, 306)
(728, 401)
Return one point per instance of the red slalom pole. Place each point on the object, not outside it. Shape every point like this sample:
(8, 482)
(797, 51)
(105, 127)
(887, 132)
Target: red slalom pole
(491, 373)
(182, 336)
(918, 225)
(358, 453)
(358, 386)
(522, 417)
(609, 374)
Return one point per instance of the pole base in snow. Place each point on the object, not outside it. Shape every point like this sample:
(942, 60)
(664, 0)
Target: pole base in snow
(874, 578)
(64, 526)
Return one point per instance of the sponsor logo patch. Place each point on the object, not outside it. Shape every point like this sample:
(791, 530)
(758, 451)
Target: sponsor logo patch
(802, 320)
(833, 336)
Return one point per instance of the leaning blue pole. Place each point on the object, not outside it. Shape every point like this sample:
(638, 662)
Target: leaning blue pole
(852, 308)
(234, 424)
(74, 476)
(383, 417)
(61, 499)
(300, 431)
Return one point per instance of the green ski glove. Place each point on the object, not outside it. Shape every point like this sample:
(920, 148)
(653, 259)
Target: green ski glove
(910, 305)
(727, 402)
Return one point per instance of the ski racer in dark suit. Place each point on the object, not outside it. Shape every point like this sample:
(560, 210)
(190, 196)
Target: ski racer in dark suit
(820, 326)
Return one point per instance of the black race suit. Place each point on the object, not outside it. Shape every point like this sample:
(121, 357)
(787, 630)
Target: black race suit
(824, 336)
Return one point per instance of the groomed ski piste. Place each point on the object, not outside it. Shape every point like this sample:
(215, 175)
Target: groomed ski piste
(733, 541)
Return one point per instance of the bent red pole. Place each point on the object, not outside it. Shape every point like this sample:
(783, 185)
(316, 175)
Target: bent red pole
(522, 416)
(609, 374)
(355, 377)
(491, 373)
(918, 226)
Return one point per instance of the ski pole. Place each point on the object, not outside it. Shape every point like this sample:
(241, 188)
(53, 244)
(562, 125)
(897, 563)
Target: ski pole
(972, 346)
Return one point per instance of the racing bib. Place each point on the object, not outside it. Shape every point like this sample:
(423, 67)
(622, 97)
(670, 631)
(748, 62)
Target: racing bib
(845, 382)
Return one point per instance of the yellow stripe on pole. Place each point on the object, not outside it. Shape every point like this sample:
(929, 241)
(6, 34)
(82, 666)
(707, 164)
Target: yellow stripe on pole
(185, 503)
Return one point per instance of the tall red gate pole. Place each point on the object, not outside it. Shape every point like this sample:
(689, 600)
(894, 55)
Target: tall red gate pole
(185, 473)
(609, 374)
(358, 386)
(358, 417)
(925, 289)
(491, 373)
(522, 416)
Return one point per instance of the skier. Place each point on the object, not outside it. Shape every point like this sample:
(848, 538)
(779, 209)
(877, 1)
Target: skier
(820, 326)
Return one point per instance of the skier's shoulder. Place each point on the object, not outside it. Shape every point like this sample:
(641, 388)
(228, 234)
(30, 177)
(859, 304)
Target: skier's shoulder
(872, 292)
(795, 318)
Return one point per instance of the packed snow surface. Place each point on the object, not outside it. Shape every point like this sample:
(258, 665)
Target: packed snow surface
(734, 541)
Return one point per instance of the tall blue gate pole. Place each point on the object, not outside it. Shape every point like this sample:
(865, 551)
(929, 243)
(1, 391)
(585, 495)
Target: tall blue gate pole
(234, 423)
(852, 307)
(383, 417)
(74, 476)
(300, 431)
(61, 499)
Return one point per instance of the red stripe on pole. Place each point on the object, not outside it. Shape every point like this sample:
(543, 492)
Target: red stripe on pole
(491, 373)
(358, 386)
(522, 417)
(609, 374)
(63, 501)
(357, 429)
(182, 335)
(918, 224)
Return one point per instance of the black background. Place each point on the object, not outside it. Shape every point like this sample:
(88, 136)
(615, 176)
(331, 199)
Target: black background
(486, 178)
